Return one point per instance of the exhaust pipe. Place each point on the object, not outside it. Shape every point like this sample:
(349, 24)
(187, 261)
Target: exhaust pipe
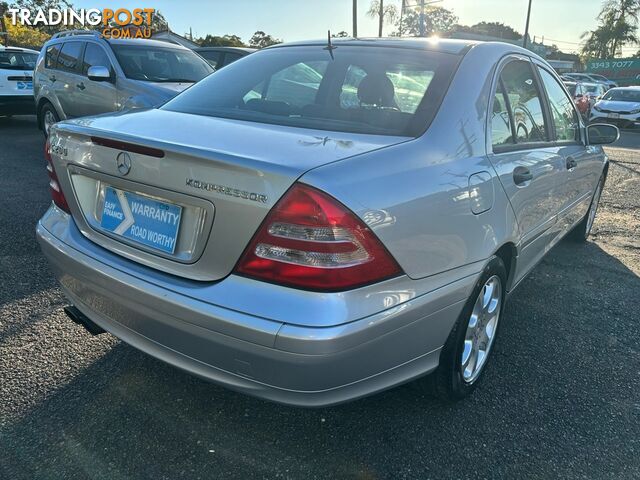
(81, 319)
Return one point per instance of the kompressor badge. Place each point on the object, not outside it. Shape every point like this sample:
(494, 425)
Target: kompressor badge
(231, 192)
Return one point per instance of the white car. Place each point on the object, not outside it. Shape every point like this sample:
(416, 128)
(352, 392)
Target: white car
(620, 106)
(16, 81)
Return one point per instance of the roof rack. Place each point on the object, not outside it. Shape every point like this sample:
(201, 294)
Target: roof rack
(71, 33)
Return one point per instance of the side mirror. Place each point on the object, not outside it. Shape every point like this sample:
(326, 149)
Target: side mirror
(99, 74)
(602, 134)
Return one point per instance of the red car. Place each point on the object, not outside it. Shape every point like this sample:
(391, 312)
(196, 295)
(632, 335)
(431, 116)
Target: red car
(577, 91)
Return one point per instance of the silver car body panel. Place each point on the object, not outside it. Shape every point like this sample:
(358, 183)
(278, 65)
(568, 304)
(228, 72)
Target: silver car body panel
(442, 204)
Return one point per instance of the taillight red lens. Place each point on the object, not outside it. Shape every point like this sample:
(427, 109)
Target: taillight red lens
(311, 241)
(54, 184)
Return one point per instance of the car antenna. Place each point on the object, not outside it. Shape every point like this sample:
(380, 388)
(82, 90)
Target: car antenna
(330, 45)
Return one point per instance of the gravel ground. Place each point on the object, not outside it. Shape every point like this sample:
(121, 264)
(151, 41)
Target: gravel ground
(560, 399)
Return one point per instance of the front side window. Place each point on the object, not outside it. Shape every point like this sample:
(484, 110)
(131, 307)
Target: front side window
(69, 56)
(95, 56)
(522, 91)
(158, 64)
(377, 90)
(565, 117)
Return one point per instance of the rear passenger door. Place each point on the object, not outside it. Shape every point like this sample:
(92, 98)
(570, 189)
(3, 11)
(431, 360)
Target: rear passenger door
(529, 169)
(582, 164)
(68, 77)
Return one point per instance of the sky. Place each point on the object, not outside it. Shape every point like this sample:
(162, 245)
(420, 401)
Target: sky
(559, 21)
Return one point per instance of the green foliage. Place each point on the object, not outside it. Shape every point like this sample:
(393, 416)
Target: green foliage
(261, 40)
(492, 29)
(223, 41)
(437, 20)
(617, 26)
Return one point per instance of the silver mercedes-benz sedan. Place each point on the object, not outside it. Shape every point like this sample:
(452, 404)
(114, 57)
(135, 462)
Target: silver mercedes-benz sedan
(317, 222)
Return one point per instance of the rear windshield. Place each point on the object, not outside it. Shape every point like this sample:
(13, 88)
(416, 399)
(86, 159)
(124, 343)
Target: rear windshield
(622, 95)
(156, 64)
(17, 60)
(376, 90)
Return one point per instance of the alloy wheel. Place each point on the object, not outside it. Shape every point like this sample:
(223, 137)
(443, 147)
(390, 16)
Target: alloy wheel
(481, 329)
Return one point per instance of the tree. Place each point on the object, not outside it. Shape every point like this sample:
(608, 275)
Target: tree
(617, 26)
(437, 20)
(223, 41)
(261, 40)
(496, 29)
(24, 36)
(384, 13)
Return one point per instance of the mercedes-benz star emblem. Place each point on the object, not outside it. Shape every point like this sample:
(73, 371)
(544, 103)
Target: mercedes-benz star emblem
(124, 163)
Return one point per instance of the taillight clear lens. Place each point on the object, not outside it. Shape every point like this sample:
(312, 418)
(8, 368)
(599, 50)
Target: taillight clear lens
(54, 185)
(310, 240)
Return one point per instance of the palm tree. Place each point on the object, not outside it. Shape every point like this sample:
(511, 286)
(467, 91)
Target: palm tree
(385, 13)
(618, 25)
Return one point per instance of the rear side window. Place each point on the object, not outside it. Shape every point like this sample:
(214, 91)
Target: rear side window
(212, 57)
(375, 90)
(565, 118)
(231, 57)
(94, 56)
(69, 56)
(523, 94)
(51, 57)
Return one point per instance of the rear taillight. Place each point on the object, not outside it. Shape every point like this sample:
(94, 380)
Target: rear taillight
(311, 241)
(54, 184)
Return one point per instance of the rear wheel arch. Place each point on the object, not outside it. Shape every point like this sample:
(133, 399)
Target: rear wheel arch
(41, 103)
(508, 253)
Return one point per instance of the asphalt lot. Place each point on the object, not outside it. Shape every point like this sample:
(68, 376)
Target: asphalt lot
(561, 398)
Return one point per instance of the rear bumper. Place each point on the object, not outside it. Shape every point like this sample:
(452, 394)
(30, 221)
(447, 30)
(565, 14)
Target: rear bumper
(292, 364)
(17, 105)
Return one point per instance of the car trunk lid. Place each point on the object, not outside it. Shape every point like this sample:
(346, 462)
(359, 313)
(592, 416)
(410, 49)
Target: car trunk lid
(222, 175)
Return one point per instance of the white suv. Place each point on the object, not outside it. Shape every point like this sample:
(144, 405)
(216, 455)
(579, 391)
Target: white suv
(16, 81)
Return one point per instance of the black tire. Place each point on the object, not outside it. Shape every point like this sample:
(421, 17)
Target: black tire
(582, 230)
(47, 108)
(448, 381)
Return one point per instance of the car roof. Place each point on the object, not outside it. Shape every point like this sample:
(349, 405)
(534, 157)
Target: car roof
(17, 49)
(226, 48)
(145, 42)
(119, 41)
(446, 45)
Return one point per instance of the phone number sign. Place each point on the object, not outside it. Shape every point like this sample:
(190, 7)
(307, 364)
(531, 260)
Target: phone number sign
(625, 71)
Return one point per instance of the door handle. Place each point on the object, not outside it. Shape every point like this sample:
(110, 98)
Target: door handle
(522, 175)
(81, 86)
(52, 78)
(571, 164)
